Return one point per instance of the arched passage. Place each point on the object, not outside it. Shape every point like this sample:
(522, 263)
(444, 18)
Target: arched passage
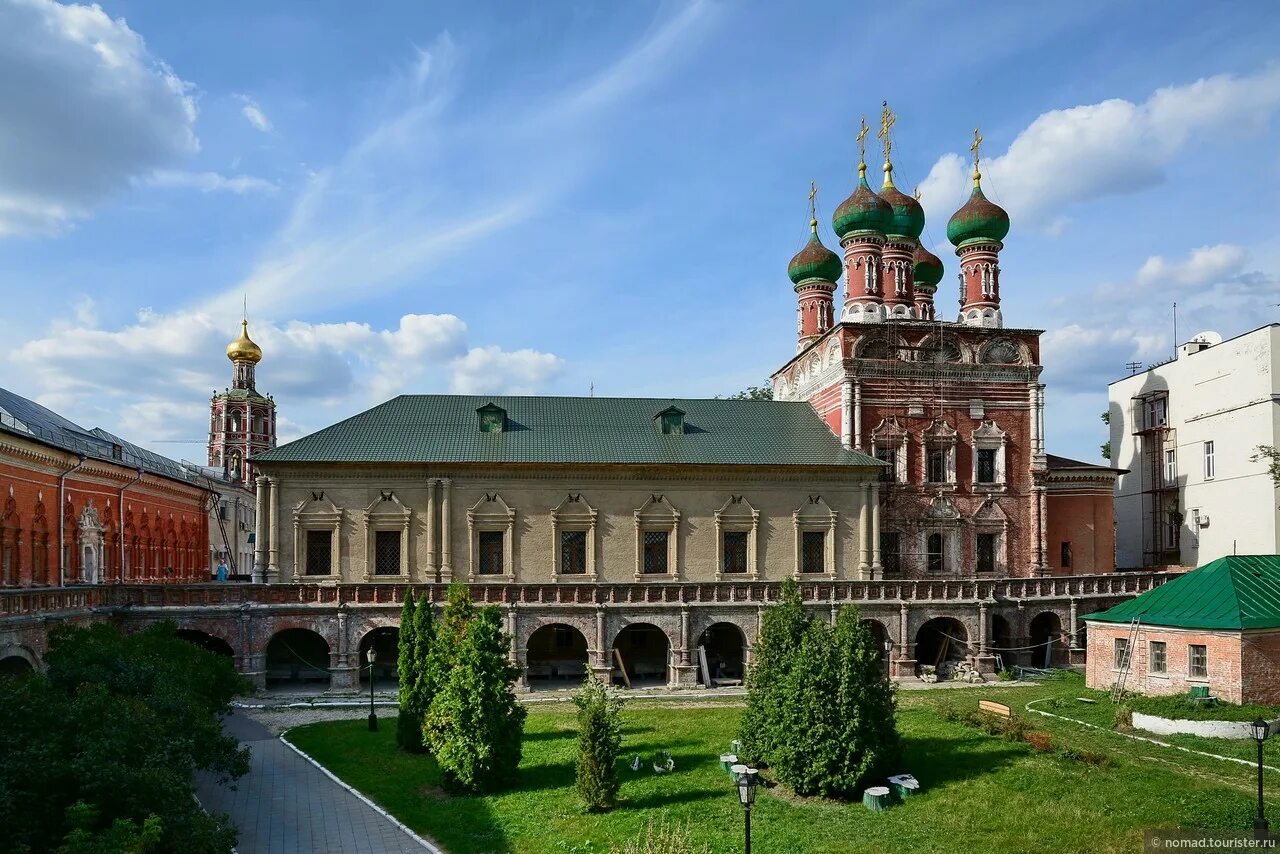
(941, 639)
(1046, 640)
(385, 642)
(296, 657)
(556, 657)
(645, 653)
(206, 641)
(725, 646)
(1002, 642)
(15, 666)
(879, 634)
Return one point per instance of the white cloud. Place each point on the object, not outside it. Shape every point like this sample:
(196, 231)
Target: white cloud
(93, 111)
(252, 111)
(1115, 147)
(324, 370)
(1206, 265)
(210, 182)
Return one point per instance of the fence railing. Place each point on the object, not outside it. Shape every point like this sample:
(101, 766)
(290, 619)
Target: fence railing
(39, 601)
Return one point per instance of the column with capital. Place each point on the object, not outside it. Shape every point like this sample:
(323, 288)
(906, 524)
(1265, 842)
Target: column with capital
(430, 575)
(446, 534)
(904, 664)
(985, 661)
(684, 672)
(259, 530)
(273, 531)
(602, 663)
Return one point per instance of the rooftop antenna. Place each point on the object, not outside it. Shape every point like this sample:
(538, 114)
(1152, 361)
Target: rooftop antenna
(1133, 367)
(1175, 329)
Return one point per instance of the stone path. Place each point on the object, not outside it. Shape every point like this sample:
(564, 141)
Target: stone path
(285, 805)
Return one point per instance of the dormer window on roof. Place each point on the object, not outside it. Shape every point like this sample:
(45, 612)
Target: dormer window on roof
(493, 418)
(671, 421)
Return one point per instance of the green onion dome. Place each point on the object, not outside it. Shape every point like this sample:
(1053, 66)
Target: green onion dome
(862, 211)
(815, 261)
(928, 269)
(908, 217)
(979, 219)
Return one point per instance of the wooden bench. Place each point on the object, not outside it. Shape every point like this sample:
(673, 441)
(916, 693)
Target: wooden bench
(993, 708)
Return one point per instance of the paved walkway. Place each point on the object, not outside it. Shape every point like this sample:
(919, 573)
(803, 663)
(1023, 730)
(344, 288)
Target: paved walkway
(285, 805)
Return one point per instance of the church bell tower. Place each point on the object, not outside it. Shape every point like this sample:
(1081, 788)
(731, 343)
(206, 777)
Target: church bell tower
(242, 422)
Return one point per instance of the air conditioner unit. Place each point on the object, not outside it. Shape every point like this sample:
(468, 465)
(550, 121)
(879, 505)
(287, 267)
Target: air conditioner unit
(1204, 521)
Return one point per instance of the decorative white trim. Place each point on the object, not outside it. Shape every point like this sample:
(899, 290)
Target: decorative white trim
(658, 514)
(891, 435)
(310, 514)
(940, 436)
(573, 513)
(815, 515)
(737, 515)
(989, 437)
(491, 513)
(386, 513)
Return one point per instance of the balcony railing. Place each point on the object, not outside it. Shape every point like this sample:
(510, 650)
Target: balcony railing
(42, 601)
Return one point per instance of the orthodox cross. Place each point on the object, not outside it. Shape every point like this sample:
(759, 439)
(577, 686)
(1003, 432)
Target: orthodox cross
(813, 206)
(862, 140)
(887, 121)
(976, 148)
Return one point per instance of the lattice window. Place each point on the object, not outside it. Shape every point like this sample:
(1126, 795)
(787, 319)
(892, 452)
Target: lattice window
(1198, 661)
(386, 553)
(319, 554)
(491, 549)
(655, 552)
(1159, 657)
(813, 552)
(890, 456)
(735, 551)
(986, 465)
(986, 552)
(573, 552)
(891, 552)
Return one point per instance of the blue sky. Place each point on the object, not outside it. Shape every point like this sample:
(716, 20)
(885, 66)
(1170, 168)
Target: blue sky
(497, 197)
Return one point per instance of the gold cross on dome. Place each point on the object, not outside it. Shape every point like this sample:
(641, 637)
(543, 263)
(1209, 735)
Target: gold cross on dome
(862, 139)
(813, 195)
(976, 147)
(887, 121)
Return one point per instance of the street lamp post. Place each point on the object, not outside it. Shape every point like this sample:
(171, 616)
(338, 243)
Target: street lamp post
(373, 716)
(888, 658)
(746, 779)
(1261, 729)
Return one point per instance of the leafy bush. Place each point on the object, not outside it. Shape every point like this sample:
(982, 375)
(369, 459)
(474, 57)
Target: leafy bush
(837, 710)
(1123, 717)
(599, 742)
(101, 750)
(474, 725)
(1005, 675)
(1016, 728)
(1040, 741)
(762, 728)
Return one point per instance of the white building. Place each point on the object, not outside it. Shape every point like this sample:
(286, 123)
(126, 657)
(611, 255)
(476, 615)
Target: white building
(232, 506)
(1189, 432)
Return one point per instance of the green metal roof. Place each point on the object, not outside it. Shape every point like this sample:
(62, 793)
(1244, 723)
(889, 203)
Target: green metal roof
(1235, 592)
(576, 430)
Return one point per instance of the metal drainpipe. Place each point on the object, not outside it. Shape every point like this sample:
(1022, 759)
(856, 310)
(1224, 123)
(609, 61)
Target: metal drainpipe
(120, 502)
(62, 520)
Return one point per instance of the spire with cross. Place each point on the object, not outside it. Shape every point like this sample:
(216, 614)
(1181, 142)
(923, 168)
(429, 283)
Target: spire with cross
(887, 121)
(863, 130)
(976, 148)
(813, 206)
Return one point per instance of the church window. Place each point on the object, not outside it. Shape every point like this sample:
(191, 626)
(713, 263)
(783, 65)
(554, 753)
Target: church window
(933, 553)
(986, 553)
(735, 551)
(888, 474)
(891, 552)
(813, 552)
(491, 552)
(319, 553)
(573, 552)
(235, 422)
(386, 560)
(655, 552)
(937, 464)
(986, 465)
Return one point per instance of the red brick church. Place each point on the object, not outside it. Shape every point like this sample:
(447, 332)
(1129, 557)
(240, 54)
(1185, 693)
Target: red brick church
(955, 409)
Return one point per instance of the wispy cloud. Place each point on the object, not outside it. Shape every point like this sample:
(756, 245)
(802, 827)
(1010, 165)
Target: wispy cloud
(252, 111)
(210, 182)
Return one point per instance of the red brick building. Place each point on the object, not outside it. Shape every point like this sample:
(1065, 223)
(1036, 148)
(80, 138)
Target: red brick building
(955, 410)
(1216, 627)
(113, 511)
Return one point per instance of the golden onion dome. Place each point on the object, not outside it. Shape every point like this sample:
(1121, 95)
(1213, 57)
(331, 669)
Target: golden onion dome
(243, 349)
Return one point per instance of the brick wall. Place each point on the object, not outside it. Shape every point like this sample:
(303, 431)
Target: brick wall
(1260, 664)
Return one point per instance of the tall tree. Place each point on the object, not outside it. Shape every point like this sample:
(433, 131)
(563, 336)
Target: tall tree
(422, 689)
(408, 722)
(100, 751)
(599, 742)
(475, 726)
(782, 627)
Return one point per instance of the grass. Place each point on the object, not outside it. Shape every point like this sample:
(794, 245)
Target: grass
(1179, 706)
(980, 793)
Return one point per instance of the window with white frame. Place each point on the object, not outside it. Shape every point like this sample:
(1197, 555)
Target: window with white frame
(889, 445)
(1208, 460)
(1170, 466)
(573, 523)
(319, 553)
(1157, 412)
(940, 452)
(737, 526)
(657, 538)
(815, 531)
(317, 536)
(989, 456)
(491, 525)
(386, 538)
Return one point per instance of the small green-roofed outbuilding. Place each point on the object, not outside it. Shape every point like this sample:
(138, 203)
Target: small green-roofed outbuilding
(1238, 592)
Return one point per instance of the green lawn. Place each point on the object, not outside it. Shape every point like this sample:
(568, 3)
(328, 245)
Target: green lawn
(981, 794)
